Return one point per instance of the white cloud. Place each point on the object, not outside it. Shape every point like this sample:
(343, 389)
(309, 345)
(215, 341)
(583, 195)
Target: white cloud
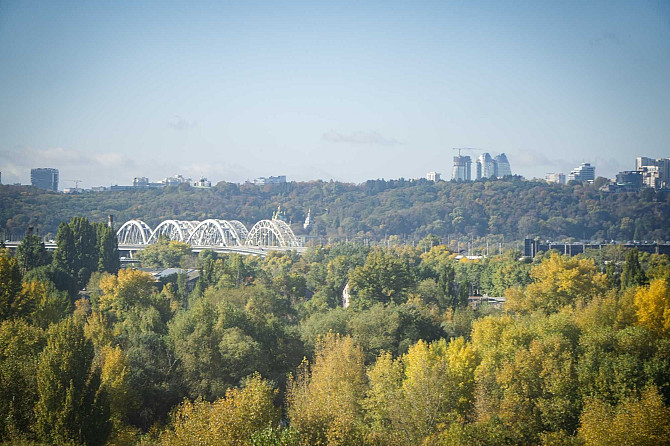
(179, 123)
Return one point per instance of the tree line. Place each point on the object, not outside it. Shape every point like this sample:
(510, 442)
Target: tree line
(262, 351)
(509, 208)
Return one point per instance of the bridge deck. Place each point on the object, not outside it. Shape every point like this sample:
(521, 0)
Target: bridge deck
(246, 250)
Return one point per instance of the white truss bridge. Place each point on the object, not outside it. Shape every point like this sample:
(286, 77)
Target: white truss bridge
(220, 235)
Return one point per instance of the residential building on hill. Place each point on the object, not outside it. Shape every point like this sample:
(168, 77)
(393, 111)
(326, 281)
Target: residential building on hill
(584, 172)
(555, 178)
(44, 178)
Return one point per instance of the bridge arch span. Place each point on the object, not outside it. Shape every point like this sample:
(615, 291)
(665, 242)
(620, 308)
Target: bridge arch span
(173, 230)
(134, 232)
(213, 232)
(272, 233)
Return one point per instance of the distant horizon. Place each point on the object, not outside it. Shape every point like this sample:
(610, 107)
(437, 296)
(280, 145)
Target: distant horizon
(129, 182)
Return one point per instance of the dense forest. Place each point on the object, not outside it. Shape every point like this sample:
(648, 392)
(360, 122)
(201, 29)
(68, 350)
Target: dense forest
(262, 351)
(509, 209)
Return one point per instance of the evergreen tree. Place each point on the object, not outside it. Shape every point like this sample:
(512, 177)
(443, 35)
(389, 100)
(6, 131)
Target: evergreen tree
(71, 407)
(65, 251)
(632, 274)
(108, 250)
(86, 252)
(78, 251)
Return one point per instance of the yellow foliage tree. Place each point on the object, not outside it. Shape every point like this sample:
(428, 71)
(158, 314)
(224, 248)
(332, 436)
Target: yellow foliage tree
(558, 281)
(653, 306)
(231, 420)
(425, 390)
(324, 399)
(115, 378)
(643, 421)
(130, 287)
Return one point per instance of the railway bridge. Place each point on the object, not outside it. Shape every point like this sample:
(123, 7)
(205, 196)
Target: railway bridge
(219, 235)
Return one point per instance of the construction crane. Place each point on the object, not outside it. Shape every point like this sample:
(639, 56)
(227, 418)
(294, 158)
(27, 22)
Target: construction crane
(76, 183)
(463, 148)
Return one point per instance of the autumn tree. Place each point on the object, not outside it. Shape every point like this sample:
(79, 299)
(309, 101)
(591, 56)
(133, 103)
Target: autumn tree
(527, 377)
(635, 421)
(324, 398)
(653, 306)
(231, 420)
(428, 388)
(125, 290)
(41, 303)
(557, 281)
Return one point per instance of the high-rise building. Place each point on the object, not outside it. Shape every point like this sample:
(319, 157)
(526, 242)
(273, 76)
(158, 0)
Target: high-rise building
(433, 176)
(462, 168)
(485, 166)
(502, 167)
(585, 172)
(555, 178)
(44, 178)
(655, 172)
(643, 161)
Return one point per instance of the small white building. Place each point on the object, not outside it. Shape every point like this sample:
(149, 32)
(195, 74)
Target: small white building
(433, 176)
(346, 297)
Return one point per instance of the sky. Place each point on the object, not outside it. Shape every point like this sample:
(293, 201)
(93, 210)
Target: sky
(349, 91)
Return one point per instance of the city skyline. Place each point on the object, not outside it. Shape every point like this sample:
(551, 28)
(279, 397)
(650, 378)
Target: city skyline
(107, 91)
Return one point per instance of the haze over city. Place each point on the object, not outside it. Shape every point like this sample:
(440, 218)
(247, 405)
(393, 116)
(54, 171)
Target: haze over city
(106, 91)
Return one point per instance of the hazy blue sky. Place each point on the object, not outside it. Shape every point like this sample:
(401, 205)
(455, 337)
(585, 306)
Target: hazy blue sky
(106, 91)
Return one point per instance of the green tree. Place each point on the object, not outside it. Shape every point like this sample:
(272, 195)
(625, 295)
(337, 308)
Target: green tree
(71, 407)
(164, 254)
(20, 345)
(108, 249)
(31, 253)
(10, 284)
(633, 274)
(384, 278)
(42, 303)
(79, 251)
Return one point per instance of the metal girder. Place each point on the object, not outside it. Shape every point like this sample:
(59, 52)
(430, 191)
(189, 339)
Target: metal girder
(173, 230)
(272, 233)
(134, 232)
(214, 232)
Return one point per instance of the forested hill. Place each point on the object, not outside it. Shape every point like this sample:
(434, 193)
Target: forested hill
(375, 209)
